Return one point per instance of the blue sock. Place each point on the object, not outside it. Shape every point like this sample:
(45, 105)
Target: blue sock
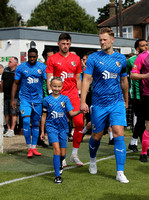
(120, 152)
(93, 147)
(56, 163)
(35, 131)
(27, 129)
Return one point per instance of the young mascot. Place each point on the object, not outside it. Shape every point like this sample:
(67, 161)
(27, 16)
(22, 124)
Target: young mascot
(54, 117)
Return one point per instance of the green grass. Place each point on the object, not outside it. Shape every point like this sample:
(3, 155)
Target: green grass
(77, 184)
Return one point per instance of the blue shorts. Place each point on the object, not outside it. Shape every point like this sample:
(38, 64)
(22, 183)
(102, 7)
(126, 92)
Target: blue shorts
(30, 109)
(56, 136)
(102, 117)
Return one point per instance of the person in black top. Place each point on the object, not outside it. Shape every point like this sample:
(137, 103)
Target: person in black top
(6, 86)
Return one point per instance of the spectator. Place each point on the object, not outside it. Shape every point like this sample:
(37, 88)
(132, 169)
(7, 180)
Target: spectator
(6, 86)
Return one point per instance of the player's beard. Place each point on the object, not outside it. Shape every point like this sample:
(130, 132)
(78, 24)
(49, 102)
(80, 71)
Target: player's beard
(65, 50)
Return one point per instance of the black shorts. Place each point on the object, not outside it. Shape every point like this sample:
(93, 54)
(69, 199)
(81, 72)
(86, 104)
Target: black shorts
(145, 107)
(7, 107)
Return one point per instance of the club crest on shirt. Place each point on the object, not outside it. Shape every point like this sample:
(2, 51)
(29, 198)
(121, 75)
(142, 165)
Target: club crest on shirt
(63, 104)
(73, 63)
(93, 127)
(118, 64)
(22, 111)
(39, 71)
(135, 67)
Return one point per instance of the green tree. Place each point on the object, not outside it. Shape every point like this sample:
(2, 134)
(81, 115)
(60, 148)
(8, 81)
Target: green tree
(64, 15)
(8, 15)
(104, 12)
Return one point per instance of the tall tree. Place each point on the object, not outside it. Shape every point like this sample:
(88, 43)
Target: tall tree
(65, 15)
(104, 12)
(8, 15)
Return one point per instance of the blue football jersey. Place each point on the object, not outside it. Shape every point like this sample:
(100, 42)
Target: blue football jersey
(106, 71)
(57, 109)
(31, 79)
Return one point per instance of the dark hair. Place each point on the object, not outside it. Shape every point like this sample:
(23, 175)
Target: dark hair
(33, 50)
(136, 45)
(46, 50)
(64, 36)
(106, 30)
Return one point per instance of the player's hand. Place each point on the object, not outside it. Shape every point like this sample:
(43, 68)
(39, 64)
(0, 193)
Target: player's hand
(42, 137)
(13, 105)
(126, 105)
(84, 108)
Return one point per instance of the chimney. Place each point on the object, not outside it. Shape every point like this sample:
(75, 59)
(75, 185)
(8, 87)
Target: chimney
(112, 8)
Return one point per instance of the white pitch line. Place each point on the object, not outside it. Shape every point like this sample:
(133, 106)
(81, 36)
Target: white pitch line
(49, 172)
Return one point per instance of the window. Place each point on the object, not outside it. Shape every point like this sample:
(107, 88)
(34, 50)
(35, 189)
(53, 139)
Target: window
(127, 31)
(147, 32)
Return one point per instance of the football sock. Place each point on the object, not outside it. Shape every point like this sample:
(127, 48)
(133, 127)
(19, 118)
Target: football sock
(74, 150)
(35, 131)
(56, 163)
(84, 130)
(145, 142)
(93, 147)
(61, 159)
(92, 160)
(120, 152)
(29, 146)
(77, 138)
(27, 129)
(33, 146)
(110, 135)
(134, 141)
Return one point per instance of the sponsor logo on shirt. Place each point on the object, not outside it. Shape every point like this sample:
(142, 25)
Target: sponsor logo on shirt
(101, 63)
(66, 75)
(57, 114)
(108, 75)
(32, 80)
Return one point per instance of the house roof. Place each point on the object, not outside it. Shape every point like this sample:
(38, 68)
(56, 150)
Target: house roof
(133, 15)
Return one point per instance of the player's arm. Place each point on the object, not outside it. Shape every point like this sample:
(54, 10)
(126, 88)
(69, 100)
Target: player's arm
(43, 121)
(13, 92)
(137, 76)
(49, 76)
(84, 91)
(124, 87)
(1, 86)
(74, 113)
(78, 79)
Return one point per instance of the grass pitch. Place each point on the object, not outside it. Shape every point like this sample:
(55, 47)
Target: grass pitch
(77, 184)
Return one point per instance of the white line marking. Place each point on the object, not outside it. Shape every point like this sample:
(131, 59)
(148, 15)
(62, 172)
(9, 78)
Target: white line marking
(49, 172)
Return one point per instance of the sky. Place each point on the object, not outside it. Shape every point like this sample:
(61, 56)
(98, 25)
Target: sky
(24, 7)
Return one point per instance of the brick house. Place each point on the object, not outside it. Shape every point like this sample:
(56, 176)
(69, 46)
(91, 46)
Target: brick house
(135, 20)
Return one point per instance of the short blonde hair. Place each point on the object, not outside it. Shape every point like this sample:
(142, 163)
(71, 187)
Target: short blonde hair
(56, 78)
(106, 30)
